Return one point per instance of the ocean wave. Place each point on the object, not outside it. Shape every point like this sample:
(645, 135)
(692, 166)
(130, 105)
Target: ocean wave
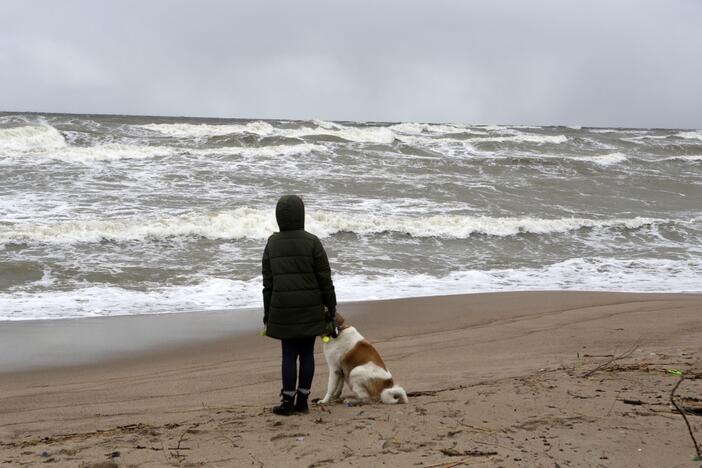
(584, 274)
(235, 224)
(366, 134)
(259, 224)
(262, 151)
(30, 139)
(461, 227)
(184, 130)
(519, 137)
(694, 135)
(212, 293)
(45, 142)
(665, 139)
(605, 159)
(405, 132)
(99, 300)
(424, 128)
(108, 152)
(686, 158)
(525, 138)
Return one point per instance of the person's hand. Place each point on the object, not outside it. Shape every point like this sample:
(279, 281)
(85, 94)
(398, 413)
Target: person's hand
(334, 327)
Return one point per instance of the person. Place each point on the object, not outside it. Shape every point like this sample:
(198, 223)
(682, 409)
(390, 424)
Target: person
(298, 299)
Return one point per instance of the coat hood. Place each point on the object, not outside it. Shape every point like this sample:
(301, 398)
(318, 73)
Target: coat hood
(290, 213)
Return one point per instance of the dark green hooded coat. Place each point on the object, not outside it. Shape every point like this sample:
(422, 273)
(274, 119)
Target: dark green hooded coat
(297, 283)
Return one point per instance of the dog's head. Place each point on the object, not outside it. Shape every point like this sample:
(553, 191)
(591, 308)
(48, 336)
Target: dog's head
(341, 321)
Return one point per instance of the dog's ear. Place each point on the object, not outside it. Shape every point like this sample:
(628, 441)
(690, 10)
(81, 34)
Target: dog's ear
(340, 319)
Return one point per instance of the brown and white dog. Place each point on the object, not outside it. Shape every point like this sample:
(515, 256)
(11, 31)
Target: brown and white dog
(352, 359)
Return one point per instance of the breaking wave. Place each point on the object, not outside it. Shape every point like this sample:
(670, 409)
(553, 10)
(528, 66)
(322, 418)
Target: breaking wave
(366, 134)
(259, 224)
(265, 151)
(185, 130)
(405, 132)
(423, 128)
(108, 152)
(525, 138)
(46, 142)
(695, 135)
(605, 159)
(30, 139)
(425, 140)
(212, 293)
(688, 158)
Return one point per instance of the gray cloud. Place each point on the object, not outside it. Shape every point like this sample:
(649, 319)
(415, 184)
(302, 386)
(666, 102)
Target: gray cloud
(609, 63)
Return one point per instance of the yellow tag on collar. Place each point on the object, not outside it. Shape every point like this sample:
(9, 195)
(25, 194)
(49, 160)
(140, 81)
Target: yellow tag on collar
(325, 339)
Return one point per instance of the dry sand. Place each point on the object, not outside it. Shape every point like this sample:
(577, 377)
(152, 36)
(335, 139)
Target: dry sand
(494, 380)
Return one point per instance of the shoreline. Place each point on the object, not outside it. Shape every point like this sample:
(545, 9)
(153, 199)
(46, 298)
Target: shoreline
(79, 341)
(75, 341)
(499, 374)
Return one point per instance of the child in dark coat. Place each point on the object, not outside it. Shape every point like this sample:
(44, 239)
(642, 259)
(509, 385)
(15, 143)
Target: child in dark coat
(297, 287)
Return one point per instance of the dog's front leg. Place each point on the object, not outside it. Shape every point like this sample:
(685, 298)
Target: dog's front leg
(334, 380)
(339, 386)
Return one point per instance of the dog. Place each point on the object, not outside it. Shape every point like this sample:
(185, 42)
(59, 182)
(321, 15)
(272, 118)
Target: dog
(352, 359)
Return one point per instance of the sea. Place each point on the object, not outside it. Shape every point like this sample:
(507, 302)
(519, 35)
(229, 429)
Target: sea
(105, 215)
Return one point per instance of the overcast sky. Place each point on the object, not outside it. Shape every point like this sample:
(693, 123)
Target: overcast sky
(634, 63)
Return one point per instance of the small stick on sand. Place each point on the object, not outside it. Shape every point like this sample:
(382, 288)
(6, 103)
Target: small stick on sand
(614, 359)
(451, 464)
(682, 413)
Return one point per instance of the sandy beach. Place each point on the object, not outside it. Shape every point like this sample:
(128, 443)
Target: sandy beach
(508, 379)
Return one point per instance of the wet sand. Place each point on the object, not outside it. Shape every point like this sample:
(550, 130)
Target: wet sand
(505, 379)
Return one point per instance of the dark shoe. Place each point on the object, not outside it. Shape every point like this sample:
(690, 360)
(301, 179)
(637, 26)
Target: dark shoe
(285, 408)
(301, 403)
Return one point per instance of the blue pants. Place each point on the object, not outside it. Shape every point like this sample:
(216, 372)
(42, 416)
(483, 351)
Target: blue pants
(302, 348)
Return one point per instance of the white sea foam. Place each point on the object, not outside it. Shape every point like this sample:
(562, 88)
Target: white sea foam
(691, 157)
(45, 142)
(236, 224)
(642, 139)
(694, 135)
(355, 133)
(325, 124)
(365, 134)
(530, 138)
(30, 139)
(184, 130)
(258, 224)
(423, 128)
(265, 151)
(516, 138)
(593, 274)
(99, 300)
(380, 135)
(605, 159)
(459, 227)
(108, 152)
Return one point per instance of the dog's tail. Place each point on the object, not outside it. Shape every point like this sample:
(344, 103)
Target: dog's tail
(394, 394)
